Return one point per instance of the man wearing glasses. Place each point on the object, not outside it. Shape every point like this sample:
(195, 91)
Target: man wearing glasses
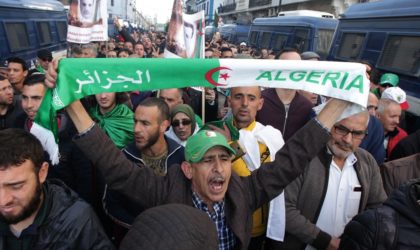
(342, 181)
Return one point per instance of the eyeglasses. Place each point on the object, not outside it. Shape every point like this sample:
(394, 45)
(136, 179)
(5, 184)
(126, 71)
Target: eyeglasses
(183, 122)
(371, 107)
(344, 131)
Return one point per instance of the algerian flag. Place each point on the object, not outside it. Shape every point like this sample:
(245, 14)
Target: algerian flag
(79, 77)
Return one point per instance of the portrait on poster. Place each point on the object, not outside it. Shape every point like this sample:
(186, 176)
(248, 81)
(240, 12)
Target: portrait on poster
(87, 21)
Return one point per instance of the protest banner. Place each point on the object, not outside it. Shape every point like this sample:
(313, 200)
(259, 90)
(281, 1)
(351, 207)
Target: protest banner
(78, 78)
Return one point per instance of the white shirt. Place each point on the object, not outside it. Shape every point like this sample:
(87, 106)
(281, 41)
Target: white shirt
(342, 199)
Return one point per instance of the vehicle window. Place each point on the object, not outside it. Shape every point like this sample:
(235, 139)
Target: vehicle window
(62, 30)
(402, 53)
(351, 45)
(323, 41)
(265, 40)
(17, 36)
(279, 41)
(44, 32)
(300, 40)
(253, 38)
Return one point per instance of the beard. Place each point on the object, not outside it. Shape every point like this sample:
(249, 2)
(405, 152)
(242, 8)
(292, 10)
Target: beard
(337, 151)
(153, 138)
(27, 210)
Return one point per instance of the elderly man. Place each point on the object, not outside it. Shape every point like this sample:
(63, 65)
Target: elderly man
(205, 180)
(340, 182)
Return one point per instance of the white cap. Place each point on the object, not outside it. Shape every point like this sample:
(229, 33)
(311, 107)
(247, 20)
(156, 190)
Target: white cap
(242, 44)
(396, 94)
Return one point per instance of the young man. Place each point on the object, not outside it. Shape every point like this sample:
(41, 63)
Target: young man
(40, 214)
(17, 71)
(10, 107)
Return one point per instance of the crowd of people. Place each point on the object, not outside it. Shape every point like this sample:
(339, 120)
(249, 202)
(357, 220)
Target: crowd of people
(260, 168)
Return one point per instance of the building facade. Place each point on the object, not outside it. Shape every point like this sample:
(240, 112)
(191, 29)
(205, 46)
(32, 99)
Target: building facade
(244, 11)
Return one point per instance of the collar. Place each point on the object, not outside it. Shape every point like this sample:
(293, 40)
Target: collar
(251, 126)
(218, 207)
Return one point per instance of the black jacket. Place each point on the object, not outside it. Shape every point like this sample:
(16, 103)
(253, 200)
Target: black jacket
(70, 222)
(395, 225)
(406, 147)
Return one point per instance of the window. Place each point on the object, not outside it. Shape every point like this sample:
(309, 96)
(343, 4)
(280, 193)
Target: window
(265, 40)
(279, 41)
(323, 41)
(402, 53)
(44, 32)
(112, 2)
(17, 36)
(62, 30)
(300, 40)
(351, 45)
(253, 38)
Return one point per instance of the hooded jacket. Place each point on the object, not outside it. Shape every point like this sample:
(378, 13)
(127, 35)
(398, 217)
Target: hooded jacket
(395, 225)
(120, 208)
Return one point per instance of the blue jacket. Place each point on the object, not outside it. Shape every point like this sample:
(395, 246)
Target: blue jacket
(374, 140)
(117, 206)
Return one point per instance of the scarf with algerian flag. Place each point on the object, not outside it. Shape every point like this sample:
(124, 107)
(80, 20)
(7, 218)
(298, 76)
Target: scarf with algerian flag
(78, 78)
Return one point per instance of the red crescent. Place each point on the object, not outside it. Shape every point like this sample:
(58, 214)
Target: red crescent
(210, 73)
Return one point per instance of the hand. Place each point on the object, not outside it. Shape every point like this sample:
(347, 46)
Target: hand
(51, 73)
(222, 112)
(334, 244)
(155, 51)
(225, 131)
(332, 111)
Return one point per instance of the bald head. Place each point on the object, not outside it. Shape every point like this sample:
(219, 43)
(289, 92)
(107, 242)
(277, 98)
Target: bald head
(290, 55)
(372, 104)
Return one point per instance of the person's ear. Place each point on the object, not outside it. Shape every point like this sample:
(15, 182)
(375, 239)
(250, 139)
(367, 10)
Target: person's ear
(164, 125)
(187, 169)
(43, 172)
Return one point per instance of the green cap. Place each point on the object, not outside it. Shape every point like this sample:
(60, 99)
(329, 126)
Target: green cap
(389, 78)
(200, 143)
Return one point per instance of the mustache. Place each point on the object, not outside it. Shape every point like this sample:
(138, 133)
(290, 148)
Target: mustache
(217, 178)
(344, 145)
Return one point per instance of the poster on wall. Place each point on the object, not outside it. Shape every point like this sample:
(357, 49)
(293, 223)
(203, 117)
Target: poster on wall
(87, 21)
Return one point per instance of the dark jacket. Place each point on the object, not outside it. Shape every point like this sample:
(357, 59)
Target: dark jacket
(274, 113)
(374, 140)
(407, 146)
(394, 137)
(395, 173)
(395, 225)
(70, 222)
(13, 112)
(305, 196)
(121, 209)
(244, 194)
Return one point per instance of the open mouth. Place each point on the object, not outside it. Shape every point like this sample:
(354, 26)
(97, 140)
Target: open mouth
(216, 184)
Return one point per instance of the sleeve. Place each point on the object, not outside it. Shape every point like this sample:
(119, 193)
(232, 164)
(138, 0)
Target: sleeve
(139, 183)
(297, 224)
